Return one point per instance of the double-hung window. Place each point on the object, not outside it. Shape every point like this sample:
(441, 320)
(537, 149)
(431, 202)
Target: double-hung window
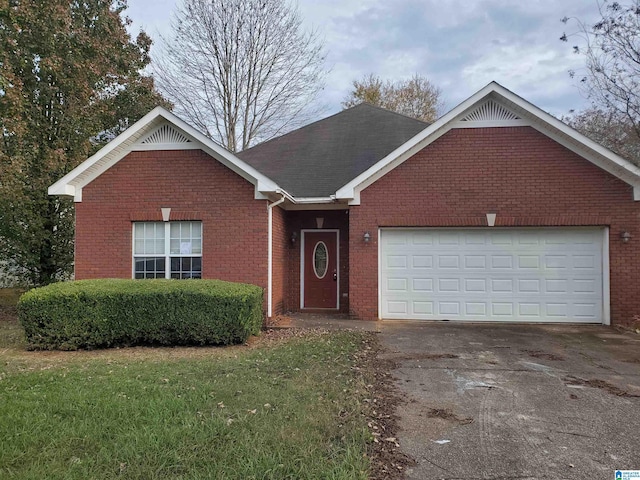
(167, 250)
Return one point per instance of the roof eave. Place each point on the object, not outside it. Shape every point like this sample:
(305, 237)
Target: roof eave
(71, 184)
(543, 121)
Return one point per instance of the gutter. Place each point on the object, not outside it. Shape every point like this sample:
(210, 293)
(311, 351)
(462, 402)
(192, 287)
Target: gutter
(270, 207)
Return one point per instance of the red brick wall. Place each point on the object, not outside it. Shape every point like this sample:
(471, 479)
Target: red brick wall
(195, 187)
(518, 173)
(298, 220)
(280, 260)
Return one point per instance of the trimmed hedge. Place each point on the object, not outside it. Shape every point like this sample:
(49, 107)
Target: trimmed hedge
(115, 312)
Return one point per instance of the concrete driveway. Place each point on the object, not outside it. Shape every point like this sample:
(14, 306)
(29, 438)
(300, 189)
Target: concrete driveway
(489, 401)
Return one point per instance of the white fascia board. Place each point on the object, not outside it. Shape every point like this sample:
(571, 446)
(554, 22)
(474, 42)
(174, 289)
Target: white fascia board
(62, 189)
(70, 184)
(65, 185)
(539, 120)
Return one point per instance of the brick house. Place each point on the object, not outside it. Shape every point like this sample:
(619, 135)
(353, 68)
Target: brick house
(496, 211)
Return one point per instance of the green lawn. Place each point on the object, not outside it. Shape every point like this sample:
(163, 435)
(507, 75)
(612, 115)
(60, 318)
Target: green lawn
(10, 296)
(281, 409)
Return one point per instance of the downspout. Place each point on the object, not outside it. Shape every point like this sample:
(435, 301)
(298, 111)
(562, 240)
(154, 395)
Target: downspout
(270, 255)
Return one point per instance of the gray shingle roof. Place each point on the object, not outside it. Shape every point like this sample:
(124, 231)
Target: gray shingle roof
(318, 159)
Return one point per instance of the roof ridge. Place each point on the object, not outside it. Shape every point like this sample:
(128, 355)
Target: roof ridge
(305, 127)
(392, 111)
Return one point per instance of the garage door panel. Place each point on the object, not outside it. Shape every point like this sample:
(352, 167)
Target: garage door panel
(422, 261)
(502, 261)
(448, 308)
(422, 285)
(529, 285)
(527, 262)
(557, 310)
(584, 262)
(475, 285)
(422, 308)
(547, 274)
(448, 262)
(449, 238)
(422, 238)
(396, 261)
(559, 286)
(397, 285)
(556, 262)
(475, 262)
(476, 308)
(501, 285)
(448, 285)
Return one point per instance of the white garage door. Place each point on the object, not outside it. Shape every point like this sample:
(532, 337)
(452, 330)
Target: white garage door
(492, 274)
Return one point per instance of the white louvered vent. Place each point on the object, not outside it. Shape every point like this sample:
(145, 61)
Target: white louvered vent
(166, 134)
(490, 111)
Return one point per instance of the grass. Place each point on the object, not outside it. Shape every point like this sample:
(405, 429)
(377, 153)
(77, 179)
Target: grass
(9, 296)
(282, 409)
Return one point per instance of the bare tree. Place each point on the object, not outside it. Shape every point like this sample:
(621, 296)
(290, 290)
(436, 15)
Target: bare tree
(241, 71)
(416, 97)
(611, 48)
(609, 128)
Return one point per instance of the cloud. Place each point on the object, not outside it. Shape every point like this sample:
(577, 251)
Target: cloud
(460, 45)
(534, 72)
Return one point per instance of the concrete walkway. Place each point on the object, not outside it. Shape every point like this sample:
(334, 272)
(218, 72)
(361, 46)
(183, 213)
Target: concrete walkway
(501, 401)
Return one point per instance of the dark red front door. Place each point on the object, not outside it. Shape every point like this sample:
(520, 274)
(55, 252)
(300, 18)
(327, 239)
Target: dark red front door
(320, 270)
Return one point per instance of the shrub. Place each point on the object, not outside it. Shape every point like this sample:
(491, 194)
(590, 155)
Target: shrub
(113, 312)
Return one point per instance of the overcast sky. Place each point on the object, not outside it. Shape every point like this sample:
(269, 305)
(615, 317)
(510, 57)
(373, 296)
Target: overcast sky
(460, 45)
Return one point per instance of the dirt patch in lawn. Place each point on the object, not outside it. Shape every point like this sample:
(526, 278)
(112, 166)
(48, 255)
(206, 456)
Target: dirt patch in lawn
(8, 313)
(601, 384)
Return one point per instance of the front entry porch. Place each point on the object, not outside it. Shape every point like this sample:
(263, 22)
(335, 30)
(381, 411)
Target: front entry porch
(315, 270)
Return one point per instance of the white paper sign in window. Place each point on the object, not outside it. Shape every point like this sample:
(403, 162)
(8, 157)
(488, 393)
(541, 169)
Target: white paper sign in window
(185, 248)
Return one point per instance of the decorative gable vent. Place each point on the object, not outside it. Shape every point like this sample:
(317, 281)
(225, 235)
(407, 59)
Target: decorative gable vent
(490, 111)
(166, 134)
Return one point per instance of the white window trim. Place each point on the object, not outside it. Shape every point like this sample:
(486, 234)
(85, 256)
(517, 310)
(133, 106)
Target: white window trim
(167, 246)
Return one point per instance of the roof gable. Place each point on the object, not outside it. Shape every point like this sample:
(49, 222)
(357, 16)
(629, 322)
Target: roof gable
(495, 106)
(315, 160)
(158, 130)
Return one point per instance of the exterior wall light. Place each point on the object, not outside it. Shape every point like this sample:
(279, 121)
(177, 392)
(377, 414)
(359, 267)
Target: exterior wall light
(294, 237)
(625, 236)
(366, 237)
